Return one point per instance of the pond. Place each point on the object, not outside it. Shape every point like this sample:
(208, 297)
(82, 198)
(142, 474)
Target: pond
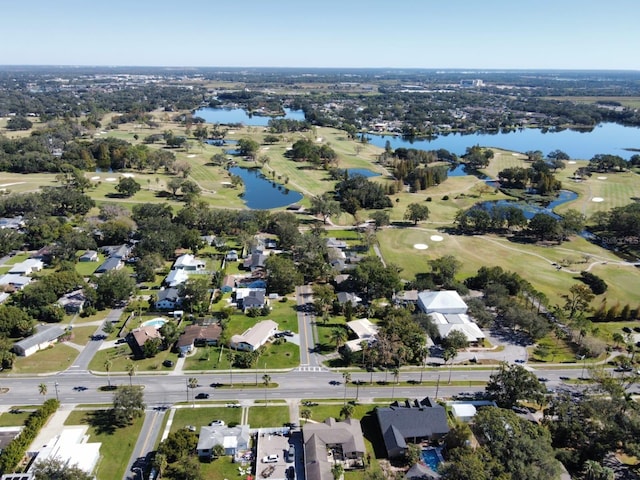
(261, 193)
(238, 115)
(609, 138)
(530, 209)
(365, 172)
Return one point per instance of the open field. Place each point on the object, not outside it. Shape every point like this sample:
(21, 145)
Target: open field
(533, 262)
(631, 102)
(53, 359)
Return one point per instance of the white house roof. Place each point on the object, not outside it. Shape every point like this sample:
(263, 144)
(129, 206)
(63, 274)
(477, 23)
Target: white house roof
(460, 322)
(257, 334)
(44, 333)
(363, 328)
(462, 410)
(176, 277)
(27, 266)
(441, 301)
(187, 260)
(71, 447)
(228, 437)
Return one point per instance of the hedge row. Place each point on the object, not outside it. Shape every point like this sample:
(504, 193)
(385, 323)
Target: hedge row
(16, 449)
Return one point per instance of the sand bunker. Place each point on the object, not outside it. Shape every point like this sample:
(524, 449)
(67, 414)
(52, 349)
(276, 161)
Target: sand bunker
(191, 156)
(110, 179)
(597, 199)
(13, 183)
(420, 246)
(97, 177)
(436, 238)
(128, 175)
(571, 162)
(602, 178)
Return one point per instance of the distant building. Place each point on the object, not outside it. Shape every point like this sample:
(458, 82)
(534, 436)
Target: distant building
(137, 337)
(198, 336)
(449, 313)
(72, 448)
(27, 267)
(73, 302)
(17, 282)
(189, 263)
(168, 299)
(365, 331)
(111, 263)
(89, 256)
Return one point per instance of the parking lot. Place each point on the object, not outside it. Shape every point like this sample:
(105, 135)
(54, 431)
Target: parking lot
(285, 467)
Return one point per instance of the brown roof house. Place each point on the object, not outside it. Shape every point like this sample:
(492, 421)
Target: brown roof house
(137, 337)
(329, 443)
(198, 336)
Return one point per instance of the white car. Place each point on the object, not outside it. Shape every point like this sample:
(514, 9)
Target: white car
(217, 423)
(273, 458)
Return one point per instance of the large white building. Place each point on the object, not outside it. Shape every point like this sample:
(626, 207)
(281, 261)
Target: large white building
(72, 447)
(449, 313)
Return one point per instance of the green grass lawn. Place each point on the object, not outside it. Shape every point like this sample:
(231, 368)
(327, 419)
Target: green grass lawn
(82, 335)
(15, 417)
(268, 416)
(552, 350)
(117, 443)
(204, 415)
(120, 356)
(52, 359)
(99, 315)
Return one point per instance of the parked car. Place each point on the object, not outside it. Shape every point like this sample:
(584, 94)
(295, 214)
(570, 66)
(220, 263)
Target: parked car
(273, 458)
(291, 454)
(202, 396)
(168, 363)
(288, 333)
(217, 423)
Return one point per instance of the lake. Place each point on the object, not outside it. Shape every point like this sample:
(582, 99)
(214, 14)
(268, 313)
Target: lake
(261, 193)
(609, 138)
(238, 115)
(529, 209)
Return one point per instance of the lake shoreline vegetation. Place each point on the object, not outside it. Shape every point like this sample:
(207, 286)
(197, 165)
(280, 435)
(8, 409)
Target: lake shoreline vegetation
(137, 165)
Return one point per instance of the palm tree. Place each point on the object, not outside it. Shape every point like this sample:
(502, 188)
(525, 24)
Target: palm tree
(160, 463)
(131, 371)
(306, 414)
(396, 374)
(42, 388)
(107, 367)
(364, 346)
(338, 336)
(218, 450)
(193, 382)
(347, 410)
(266, 380)
(347, 378)
(449, 354)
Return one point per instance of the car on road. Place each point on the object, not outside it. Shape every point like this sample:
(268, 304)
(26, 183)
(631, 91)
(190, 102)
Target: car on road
(202, 396)
(80, 388)
(233, 405)
(168, 363)
(564, 378)
(273, 458)
(335, 382)
(543, 379)
(217, 423)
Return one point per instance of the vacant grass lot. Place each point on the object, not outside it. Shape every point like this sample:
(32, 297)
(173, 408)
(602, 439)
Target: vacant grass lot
(204, 415)
(52, 359)
(117, 443)
(268, 416)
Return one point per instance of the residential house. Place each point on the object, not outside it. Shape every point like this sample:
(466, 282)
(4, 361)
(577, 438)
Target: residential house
(406, 297)
(233, 439)
(228, 284)
(231, 256)
(335, 243)
(255, 337)
(119, 251)
(365, 331)
(73, 302)
(111, 263)
(17, 282)
(411, 421)
(250, 297)
(168, 299)
(27, 267)
(198, 336)
(421, 472)
(45, 336)
(449, 313)
(175, 278)
(137, 337)
(254, 261)
(208, 239)
(344, 297)
(89, 256)
(13, 223)
(329, 443)
(45, 254)
(189, 263)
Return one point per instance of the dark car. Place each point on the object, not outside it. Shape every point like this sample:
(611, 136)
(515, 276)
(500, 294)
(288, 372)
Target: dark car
(168, 363)
(288, 333)
(202, 396)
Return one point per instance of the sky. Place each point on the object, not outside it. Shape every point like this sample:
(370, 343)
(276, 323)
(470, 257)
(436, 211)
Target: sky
(471, 34)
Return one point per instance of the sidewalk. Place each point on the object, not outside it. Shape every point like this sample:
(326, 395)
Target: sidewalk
(52, 428)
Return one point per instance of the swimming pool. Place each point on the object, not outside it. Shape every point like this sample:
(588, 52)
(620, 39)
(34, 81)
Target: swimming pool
(156, 322)
(432, 457)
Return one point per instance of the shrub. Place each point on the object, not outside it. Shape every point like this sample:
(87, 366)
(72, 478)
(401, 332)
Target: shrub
(445, 198)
